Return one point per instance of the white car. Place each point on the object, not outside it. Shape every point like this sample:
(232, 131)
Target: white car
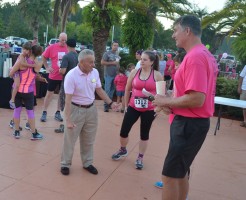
(53, 41)
(78, 47)
(14, 40)
(2, 41)
(230, 60)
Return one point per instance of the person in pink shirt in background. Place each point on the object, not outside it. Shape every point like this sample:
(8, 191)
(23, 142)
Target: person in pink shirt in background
(169, 70)
(54, 52)
(120, 83)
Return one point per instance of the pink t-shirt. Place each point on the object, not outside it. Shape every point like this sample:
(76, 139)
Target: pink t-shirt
(120, 82)
(197, 72)
(82, 86)
(55, 52)
(170, 67)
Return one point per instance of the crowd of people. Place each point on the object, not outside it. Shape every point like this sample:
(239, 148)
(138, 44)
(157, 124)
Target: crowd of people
(190, 84)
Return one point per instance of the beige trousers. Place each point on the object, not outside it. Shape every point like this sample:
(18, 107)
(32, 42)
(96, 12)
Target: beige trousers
(86, 120)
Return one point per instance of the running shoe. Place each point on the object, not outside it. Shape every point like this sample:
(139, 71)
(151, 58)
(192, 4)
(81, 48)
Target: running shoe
(12, 125)
(36, 136)
(159, 184)
(16, 134)
(119, 154)
(27, 127)
(44, 116)
(58, 116)
(139, 163)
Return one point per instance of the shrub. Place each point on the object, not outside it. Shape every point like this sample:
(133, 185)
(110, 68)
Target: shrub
(126, 59)
(228, 88)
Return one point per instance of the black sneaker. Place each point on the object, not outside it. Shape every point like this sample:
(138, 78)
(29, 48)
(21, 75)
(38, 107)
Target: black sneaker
(36, 136)
(44, 116)
(28, 127)
(119, 154)
(65, 171)
(58, 116)
(17, 134)
(12, 125)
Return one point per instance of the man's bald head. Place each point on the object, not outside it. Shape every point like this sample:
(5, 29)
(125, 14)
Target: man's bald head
(62, 39)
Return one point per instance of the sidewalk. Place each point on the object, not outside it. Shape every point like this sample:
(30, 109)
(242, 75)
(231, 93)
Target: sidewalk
(31, 169)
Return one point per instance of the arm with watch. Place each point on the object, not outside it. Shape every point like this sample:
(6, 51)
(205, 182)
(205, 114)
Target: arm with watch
(102, 94)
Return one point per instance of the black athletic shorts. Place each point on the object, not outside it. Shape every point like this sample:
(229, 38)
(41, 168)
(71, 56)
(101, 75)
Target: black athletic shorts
(186, 138)
(167, 77)
(26, 98)
(52, 84)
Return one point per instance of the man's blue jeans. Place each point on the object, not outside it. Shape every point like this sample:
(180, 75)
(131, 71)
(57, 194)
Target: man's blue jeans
(109, 87)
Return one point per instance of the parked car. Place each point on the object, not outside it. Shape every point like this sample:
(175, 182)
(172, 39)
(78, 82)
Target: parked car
(24, 40)
(53, 41)
(2, 41)
(229, 59)
(78, 47)
(13, 40)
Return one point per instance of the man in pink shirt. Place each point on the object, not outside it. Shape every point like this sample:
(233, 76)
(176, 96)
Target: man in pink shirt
(80, 85)
(192, 105)
(55, 52)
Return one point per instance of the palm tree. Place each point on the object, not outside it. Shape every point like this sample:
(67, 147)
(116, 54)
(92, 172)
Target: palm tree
(140, 23)
(101, 14)
(62, 8)
(231, 20)
(35, 12)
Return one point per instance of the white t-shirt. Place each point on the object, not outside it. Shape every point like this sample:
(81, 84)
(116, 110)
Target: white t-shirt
(243, 75)
(138, 65)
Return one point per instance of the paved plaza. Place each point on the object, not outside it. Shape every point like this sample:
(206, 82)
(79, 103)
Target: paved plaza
(31, 169)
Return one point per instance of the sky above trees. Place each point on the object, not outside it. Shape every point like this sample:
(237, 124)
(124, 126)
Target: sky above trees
(211, 5)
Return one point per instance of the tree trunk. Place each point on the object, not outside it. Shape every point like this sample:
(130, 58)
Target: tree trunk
(217, 42)
(100, 39)
(35, 28)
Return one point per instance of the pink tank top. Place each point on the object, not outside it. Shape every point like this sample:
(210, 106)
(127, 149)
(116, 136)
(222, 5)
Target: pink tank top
(138, 100)
(27, 79)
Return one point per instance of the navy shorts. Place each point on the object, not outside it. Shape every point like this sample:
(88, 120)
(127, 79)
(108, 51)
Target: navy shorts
(186, 138)
(120, 93)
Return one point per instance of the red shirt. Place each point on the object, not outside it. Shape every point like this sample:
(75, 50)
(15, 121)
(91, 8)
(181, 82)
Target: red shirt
(120, 82)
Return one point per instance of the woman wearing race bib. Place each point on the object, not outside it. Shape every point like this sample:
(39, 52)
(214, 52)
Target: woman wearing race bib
(139, 105)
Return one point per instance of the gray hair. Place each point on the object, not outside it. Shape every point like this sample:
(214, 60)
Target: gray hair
(62, 34)
(85, 53)
(192, 22)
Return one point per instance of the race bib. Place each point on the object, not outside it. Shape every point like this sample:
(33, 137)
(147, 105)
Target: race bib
(141, 102)
(60, 55)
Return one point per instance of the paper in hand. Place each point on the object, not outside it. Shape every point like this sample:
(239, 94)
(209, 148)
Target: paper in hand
(148, 94)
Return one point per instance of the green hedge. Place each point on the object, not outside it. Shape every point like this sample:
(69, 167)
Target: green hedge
(228, 88)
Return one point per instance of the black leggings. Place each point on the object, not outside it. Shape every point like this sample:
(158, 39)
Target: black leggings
(131, 116)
